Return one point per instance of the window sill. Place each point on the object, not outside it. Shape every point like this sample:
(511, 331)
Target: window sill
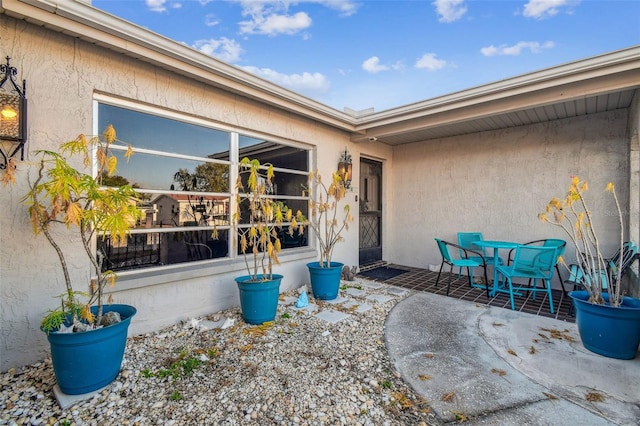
(129, 280)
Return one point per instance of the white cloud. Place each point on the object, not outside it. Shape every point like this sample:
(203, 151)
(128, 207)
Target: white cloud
(224, 49)
(274, 24)
(345, 7)
(541, 9)
(210, 20)
(450, 10)
(304, 83)
(373, 65)
(428, 61)
(161, 5)
(273, 17)
(516, 49)
(156, 5)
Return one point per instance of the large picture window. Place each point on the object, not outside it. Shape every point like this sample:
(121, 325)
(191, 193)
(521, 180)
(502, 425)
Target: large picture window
(183, 170)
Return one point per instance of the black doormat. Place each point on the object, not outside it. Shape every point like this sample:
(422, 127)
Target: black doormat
(382, 273)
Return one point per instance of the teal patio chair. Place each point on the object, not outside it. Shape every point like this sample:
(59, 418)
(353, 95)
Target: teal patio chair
(547, 242)
(468, 259)
(533, 263)
(466, 240)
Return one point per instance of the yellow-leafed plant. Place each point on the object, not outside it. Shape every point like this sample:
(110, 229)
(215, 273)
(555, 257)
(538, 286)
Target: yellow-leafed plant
(258, 234)
(573, 216)
(65, 195)
(325, 219)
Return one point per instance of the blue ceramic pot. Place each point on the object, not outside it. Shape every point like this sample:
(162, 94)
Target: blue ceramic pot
(325, 282)
(259, 299)
(87, 361)
(613, 332)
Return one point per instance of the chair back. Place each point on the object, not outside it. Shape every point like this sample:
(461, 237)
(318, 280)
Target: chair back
(536, 259)
(466, 240)
(561, 245)
(628, 256)
(444, 251)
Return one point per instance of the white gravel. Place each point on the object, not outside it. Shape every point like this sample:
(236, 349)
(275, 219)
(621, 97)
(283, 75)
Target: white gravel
(300, 370)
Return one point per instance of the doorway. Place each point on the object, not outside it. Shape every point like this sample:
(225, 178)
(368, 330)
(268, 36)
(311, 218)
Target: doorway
(370, 208)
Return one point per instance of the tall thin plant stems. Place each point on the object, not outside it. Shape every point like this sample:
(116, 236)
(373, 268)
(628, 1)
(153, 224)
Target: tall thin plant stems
(324, 220)
(573, 216)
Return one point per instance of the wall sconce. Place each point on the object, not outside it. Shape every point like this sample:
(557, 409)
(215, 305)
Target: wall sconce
(345, 168)
(13, 115)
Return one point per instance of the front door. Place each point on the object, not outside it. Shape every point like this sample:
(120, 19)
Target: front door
(370, 211)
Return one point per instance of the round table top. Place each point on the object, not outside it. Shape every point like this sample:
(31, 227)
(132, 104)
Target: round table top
(496, 244)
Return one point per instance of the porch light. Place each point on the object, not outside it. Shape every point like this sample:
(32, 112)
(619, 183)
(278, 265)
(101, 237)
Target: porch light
(13, 115)
(345, 168)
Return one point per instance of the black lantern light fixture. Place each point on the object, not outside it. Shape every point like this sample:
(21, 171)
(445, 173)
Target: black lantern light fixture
(13, 115)
(345, 168)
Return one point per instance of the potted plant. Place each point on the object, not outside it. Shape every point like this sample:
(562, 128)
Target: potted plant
(87, 337)
(608, 321)
(259, 242)
(327, 225)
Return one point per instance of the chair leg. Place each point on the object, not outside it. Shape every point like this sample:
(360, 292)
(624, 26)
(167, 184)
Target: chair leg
(513, 304)
(449, 280)
(550, 296)
(486, 281)
(439, 272)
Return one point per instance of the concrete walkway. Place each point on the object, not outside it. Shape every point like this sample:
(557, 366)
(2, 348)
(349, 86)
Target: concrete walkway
(493, 366)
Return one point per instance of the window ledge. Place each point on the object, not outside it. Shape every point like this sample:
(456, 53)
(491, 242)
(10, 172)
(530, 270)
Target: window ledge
(129, 280)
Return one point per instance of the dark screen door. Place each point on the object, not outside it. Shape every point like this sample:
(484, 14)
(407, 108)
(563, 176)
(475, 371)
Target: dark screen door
(370, 211)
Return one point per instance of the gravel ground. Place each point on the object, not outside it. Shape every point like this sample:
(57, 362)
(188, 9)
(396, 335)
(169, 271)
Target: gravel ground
(299, 370)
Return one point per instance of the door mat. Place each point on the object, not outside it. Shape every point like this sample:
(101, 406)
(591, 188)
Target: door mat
(382, 273)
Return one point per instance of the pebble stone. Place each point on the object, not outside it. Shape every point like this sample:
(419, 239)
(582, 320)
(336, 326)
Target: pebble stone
(290, 372)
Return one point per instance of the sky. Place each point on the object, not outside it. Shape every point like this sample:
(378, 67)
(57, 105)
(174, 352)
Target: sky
(387, 54)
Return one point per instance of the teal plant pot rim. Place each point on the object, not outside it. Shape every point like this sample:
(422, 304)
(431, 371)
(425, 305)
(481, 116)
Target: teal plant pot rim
(247, 279)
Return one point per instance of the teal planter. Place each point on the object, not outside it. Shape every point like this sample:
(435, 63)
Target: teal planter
(325, 282)
(259, 300)
(87, 361)
(606, 330)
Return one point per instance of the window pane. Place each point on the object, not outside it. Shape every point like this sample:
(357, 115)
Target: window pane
(282, 156)
(294, 205)
(143, 130)
(298, 239)
(158, 249)
(148, 171)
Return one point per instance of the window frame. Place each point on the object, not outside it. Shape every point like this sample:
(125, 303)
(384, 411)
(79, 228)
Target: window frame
(154, 275)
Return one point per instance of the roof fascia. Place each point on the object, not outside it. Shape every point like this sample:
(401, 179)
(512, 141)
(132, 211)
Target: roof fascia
(600, 74)
(80, 19)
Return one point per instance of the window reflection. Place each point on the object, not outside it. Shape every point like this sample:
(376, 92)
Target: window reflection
(148, 131)
(142, 250)
(281, 156)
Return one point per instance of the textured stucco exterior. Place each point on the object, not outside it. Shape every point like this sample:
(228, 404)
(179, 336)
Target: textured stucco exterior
(497, 182)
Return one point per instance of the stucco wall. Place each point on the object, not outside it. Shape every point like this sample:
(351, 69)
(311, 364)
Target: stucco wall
(62, 76)
(497, 182)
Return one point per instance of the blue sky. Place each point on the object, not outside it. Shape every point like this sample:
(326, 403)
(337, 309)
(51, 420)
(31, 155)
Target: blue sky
(386, 54)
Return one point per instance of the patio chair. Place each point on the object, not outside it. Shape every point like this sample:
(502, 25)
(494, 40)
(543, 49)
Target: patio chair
(547, 242)
(466, 240)
(533, 263)
(468, 259)
(630, 253)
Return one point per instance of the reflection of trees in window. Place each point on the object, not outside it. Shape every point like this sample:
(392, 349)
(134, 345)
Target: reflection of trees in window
(207, 177)
(117, 180)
